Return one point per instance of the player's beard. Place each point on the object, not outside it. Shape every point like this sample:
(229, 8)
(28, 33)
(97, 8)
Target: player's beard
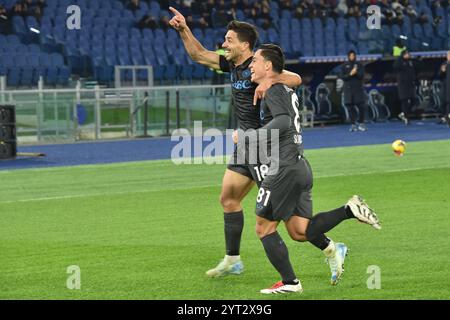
(230, 55)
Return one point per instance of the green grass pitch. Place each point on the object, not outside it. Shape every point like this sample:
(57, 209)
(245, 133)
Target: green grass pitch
(150, 230)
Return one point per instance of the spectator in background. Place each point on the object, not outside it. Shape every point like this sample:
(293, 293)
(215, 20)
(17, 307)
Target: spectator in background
(423, 18)
(406, 84)
(323, 8)
(4, 21)
(398, 48)
(298, 12)
(37, 13)
(342, 8)
(199, 23)
(352, 73)
(445, 76)
(267, 19)
(186, 7)
(148, 21)
(308, 8)
(286, 5)
(411, 12)
(234, 5)
(446, 4)
(164, 23)
(206, 8)
(437, 21)
(221, 16)
(133, 5)
(357, 12)
(41, 4)
(18, 10)
(246, 7)
(396, 5)
(196, 7)
(399, 16)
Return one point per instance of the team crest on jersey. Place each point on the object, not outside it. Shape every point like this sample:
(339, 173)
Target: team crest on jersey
(246, 73)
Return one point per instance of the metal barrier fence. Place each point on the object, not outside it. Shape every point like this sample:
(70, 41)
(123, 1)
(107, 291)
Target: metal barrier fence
(82, 114)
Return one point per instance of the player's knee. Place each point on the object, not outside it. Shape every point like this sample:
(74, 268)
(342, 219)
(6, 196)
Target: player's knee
(263, 229)
(229, 204)
(259, 231)
(298, 236)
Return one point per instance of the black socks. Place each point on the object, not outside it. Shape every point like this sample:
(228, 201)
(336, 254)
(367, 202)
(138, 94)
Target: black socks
(324, 222)
(234, 224)
(278, 255)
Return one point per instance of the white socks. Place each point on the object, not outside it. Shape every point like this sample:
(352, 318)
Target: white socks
(330, 251)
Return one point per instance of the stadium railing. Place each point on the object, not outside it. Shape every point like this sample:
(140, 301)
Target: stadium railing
(65, 115)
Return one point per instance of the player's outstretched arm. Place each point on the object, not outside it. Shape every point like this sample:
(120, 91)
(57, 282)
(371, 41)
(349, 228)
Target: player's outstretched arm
(194, 48)
(290, 79)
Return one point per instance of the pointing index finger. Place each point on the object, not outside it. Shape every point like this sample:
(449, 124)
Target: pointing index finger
(175, 11)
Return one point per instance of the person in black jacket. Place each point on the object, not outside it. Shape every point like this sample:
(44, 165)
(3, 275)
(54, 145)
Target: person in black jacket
(406, 84)
(354, 96)
(446, 78)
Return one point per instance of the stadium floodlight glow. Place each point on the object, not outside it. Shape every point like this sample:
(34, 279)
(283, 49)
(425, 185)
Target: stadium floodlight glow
(35, 30)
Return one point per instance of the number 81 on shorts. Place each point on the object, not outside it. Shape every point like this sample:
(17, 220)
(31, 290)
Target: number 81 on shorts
(263, 196)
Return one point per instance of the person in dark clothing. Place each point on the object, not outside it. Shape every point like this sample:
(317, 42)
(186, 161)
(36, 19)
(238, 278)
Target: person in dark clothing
(133, 5)
(406, 84)
(354, 96)
(148, 21)
(446, 79)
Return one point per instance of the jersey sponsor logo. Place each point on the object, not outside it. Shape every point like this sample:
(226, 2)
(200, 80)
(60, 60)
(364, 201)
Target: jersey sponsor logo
(242, 85)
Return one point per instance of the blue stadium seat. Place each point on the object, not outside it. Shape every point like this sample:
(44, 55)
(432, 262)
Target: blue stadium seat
(198, 72)
(12, 72)
(171, 74)
(158, 73)
(149, 58)
(26, 71)
(155, 8)
(262, 36)
(147, 34)
(272, 36)
(319, 49)
(12, 39)
(186, 71)
(18, 25)
(240, 15)
(161, 57)
(428, 30)
(418, 31)
(284, 26)
(160, 34)
(33, 48)
(330, 23)
(286, 15)
(396, 31)
(306, 24)
(117, 5)
(330, 47)
(32, 22)
(341, 47)
(286, 44)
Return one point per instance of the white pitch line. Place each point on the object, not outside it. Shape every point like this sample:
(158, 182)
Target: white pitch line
(101, 194)
(201, 186)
